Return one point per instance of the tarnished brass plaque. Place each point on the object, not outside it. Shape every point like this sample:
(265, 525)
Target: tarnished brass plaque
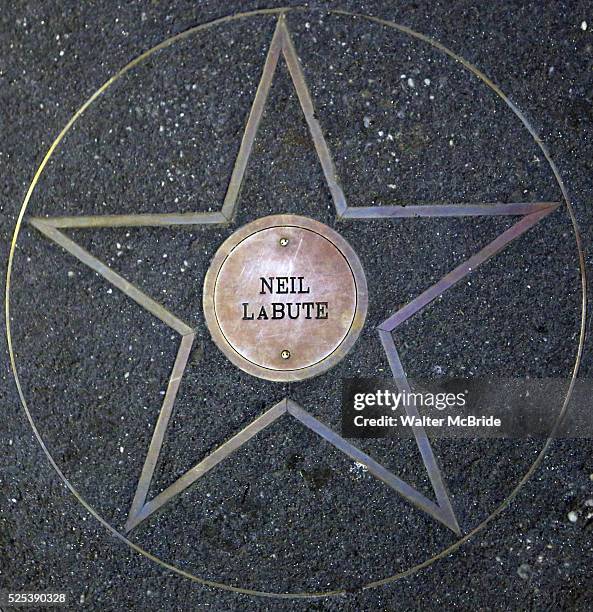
(285, 298)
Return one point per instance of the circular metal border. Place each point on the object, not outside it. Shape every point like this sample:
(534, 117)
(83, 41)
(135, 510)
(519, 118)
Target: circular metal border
(320, 366)
(476, 72)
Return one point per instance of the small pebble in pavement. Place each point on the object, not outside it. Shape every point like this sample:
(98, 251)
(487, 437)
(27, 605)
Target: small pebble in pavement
(524, 571)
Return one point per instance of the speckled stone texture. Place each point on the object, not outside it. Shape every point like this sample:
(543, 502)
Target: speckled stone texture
(405, 124)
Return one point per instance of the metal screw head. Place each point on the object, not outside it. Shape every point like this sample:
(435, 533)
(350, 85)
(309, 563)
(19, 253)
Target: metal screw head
(285, 354)
(283, 242)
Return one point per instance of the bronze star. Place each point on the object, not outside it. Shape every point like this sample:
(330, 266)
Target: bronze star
(529, 213)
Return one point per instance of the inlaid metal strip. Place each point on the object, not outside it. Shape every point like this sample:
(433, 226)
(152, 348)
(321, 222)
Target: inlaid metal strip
(424, 446)
(376, 469)
(323, 152)
(113, 277)
(464, 269)
(446, 210)
(221, 453)
(255, 115)
(160, 429)
(139, 220)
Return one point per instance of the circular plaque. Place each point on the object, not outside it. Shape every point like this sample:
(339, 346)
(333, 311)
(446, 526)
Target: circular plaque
(285, 298)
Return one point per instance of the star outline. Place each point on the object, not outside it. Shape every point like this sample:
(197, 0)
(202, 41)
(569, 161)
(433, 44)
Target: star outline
(531, 213)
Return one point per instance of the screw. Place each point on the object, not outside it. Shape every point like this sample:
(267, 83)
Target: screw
(283, 243)
(285, 354)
